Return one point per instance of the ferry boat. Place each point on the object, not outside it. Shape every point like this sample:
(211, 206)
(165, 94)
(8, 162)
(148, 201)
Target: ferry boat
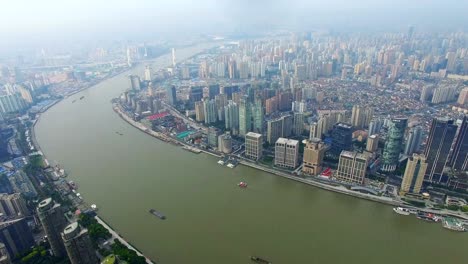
(401, 210)
(259, 260)
(427, 217)
(453, 224)
(242, 184)
(157, 214)
(220, 162)
(230, 165)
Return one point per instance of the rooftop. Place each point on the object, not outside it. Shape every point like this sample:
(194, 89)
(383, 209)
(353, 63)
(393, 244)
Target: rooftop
(253, 135)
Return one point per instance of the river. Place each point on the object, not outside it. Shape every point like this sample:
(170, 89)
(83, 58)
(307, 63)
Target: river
(210, 219)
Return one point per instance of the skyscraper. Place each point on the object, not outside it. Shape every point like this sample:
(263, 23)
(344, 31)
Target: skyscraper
(314, 152)
(16, 235)
(53, 221)
(286, 153)
(372, 143)
(196, 93)
(78, 245)
(199, 111)
(463, 97)
(135, 82)
(393, 144)
(414, 174)
(298, 126)
(231, 117)
(213, 90)
(414, 141)
(352, 167)
(361, 116)
(148, 73)
(342, 136)
(13, 205)
(257, 112)
(171, 94)
(253, 146)
(210, 112)
(245, 117)
(459, 158)
(375, 126)
(438, 146)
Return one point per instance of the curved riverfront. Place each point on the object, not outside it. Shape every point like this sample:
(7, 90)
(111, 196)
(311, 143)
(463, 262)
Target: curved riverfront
(210, 219)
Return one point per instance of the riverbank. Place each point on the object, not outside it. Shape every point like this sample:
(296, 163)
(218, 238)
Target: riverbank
(311, 182)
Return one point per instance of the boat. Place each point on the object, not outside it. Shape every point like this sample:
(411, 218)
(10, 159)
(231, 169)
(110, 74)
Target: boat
(259, 260)
(242, 184)
(230, 165)
(427, 217)
(94, 207)
(157, 214)
(220, 162)
(453, 224)
(81, 98)
(118, 133)
(73, 101)
(401, 210)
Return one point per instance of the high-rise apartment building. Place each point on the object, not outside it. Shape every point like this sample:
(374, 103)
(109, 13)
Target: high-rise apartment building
(361, 116)
(171, 94)
(16, 235)
(257, 116)
(286, 153)
(245, 117)
(53, 221)
(279, 127)
(78, 245)
(210, 111)
(13, 205)
(231, 117)
(463, 97)
(253, 146)
(199, 111)
(414, 175)
(314, 151)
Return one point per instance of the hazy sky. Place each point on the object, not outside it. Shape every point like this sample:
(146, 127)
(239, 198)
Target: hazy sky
(28, 21)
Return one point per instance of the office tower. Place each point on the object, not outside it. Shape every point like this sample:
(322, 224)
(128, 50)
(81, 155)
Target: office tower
(372, 143)
(231, 117)
(213, 90)
(171, 94)
(414, 141)
(438, 146)
(245, 117)
(78, 245)
(253, 145)
(284, 101)
(459, 158)
(342, 136)
(196, 93)
(393, 144)
(414, 175)
(443, 94)
(298, 125)
(4, 256)
(16, 236)
(53, 221)
(286, 153)
(199, 111)
(13, 205)
(314, 151)
(257, 114)
(148, 73)
(213, 134)
(463, 97)
(135, 82)
(173, 58)
(210, 112)
(225, 143)
(375, 126)
(352, 167)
